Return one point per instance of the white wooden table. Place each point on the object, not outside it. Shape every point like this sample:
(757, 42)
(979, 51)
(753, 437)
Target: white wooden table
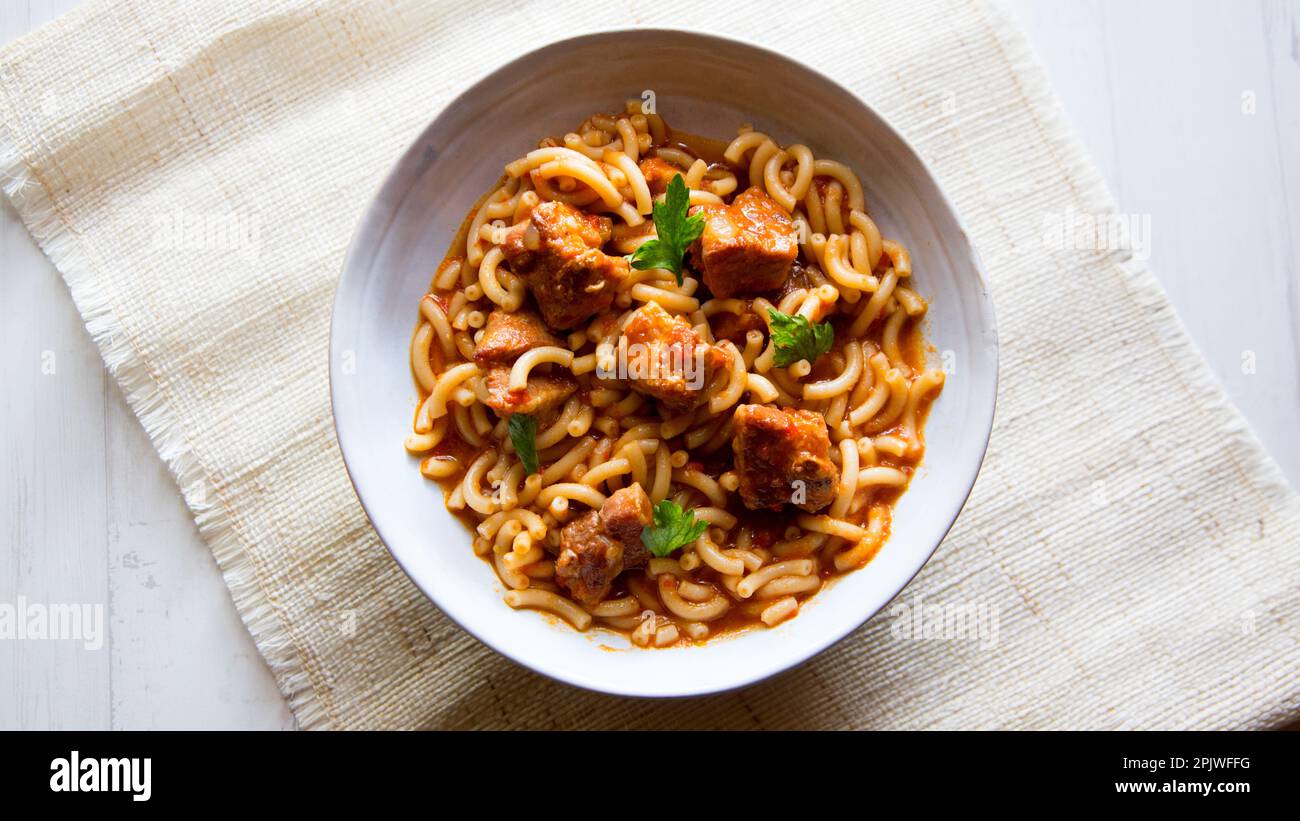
(1191, 109)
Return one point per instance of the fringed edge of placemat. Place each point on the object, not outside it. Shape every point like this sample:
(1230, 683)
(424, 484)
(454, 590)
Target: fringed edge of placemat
(148, 401)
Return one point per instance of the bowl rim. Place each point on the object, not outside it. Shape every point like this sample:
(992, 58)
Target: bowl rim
(390, 185)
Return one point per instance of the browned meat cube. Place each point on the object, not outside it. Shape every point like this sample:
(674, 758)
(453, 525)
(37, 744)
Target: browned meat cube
(776, 450)
(589, 560)
(507, 335)
(544, 391)
(667, 359)
(625, 513)
(599, 545)
(658, 173)
(557, 252)
(746, 247)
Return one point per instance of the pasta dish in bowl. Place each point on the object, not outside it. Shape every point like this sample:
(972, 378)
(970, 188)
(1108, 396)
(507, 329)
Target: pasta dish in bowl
(674, 385)
(665, 386)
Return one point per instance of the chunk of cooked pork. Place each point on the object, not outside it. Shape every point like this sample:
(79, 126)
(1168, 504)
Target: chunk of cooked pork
(557, 252)
(782, 456)
(543, 392)
(667, 359)
(747, 247)
(509, 334)
(599, 545)
(589, 560)
(625, 513)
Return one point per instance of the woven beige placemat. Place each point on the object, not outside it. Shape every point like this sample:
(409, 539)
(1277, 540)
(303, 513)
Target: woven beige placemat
(195, 171)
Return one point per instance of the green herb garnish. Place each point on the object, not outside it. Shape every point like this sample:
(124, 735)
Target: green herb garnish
(676, 231)
(672, 528)
(523, 435)
(796, 338)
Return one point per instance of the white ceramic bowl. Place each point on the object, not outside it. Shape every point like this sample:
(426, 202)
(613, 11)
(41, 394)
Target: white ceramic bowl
(706, 85)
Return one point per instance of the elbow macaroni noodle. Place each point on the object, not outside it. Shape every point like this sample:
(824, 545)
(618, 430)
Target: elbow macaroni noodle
(748, 568)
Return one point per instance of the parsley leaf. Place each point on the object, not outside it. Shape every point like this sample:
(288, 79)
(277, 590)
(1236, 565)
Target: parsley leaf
(672, 528)
(796, 338)
(676, 231)
(523, 435)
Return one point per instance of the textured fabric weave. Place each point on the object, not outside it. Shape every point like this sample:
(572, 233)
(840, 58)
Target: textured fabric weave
(1137, 546)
